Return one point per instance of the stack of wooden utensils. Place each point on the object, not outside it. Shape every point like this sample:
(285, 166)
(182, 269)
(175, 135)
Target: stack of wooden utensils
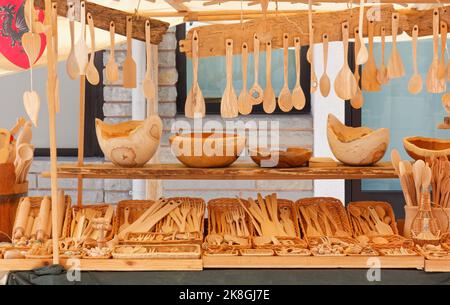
(371, 219)
(82, 224)
(440, 181)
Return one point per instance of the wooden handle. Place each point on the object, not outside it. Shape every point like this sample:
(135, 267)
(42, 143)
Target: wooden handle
(256, 56)
(297, 60)
(443, 38)
(435, 31)
(244, 65)
(112, 34)
(395, 17)
(345, 41)
(55, 27)
(148, 48)
(383, 43)
(83, 19)
(361, 19)
(195, 57)
(92, 32)
(268, 63)
(357, 46)
(325, 52)
(371, 31)
(129, 28)
(229, 59)
(21, 218)
(415, 34)
(285, 58)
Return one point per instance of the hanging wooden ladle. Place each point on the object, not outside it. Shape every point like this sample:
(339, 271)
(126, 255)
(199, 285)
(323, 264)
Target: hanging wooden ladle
(91, 72)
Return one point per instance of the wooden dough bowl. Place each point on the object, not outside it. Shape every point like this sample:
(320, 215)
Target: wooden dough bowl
(129, 144)
(207, 149)
(356, 145)
(291, 157)
(421, 148)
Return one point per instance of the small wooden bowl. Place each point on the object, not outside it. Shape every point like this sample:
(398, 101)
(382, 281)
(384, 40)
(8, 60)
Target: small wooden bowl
(207, 150)
(291, 157)
(422, 148)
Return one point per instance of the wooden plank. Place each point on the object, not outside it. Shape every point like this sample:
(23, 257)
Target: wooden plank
(413, 262)
(104, 15)
(212, 37)
(437, 265)
(234, 172)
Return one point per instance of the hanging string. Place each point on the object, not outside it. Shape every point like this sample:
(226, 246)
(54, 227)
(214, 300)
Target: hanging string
(136, 10)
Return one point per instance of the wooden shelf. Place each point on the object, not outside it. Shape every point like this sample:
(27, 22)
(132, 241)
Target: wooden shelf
(406, 262)
(235, 172)
(437, 265)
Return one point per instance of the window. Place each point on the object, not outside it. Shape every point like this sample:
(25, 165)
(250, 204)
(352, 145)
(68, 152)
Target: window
(212, 76)
(404, 114)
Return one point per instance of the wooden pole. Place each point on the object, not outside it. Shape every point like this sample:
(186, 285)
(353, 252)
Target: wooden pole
(81, 125)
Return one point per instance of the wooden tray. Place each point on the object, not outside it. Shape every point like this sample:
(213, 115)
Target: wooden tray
(178, 251)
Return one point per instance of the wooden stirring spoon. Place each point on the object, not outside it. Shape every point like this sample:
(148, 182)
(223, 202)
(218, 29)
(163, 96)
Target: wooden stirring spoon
(81, 49)
(442, 70)
(129, 65)
(229, 103)
(244, 102)
(269, 102)
(195, 103)
(256, 92)
(92, 75)
(112, 69)
(358, 100)
(369, 80)
(415, 82)
(433, 83)
(382, 71)
(324, 82)
(298, 97)
(345, 83)
(285, 97)
(71, 63)
(395, 67)
(362, 55)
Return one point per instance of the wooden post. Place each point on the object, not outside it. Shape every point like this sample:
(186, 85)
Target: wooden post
(154, 187)
(81, 138)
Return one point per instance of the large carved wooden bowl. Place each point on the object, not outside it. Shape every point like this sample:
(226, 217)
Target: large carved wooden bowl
(291, 157)
(356, 145)
(421, 147)
(207, 149)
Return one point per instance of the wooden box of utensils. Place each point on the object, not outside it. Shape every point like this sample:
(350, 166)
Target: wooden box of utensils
(183, 224)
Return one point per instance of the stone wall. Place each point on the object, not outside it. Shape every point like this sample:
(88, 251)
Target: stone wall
(294, 131)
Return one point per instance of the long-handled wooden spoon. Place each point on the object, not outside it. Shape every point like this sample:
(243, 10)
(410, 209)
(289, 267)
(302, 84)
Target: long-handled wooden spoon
(92, 75)
(363, 55)
(229, 103)
(415, 82)
(71, 63)
(148, 85)
(256, 92)
(358, 100)
(382, 76)
(442, 70)
(112, 69)
(324, 83)
(81, 49)
(395, 67)
(418, 169)
(298, 97)
(285, 97)
(433, 83)
(269, 102)
(369, 80)
(345, 84)
(129, 65)
(244, 101)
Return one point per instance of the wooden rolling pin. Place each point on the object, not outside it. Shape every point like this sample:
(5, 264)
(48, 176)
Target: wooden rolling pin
(29, 227)
(43, 217)
(21, 219)
(48, 231)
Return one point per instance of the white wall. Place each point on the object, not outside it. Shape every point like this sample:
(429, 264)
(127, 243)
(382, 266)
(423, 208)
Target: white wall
(321, 107)
(11, 105)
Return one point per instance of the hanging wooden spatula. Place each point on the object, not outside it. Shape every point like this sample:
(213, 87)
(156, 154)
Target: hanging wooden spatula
(382, 71)
(269, 102)
(298, 97)
(195, 103)
(229, 104)
(434, 84)
(369, 80)
(244, 99)
(81, 48)
(112, 69)
(129, 65)
(358, 100)
(442, 70)
(256, 92)
(415, 82)
(91, 71)
(285, 97)
(395, 67)
(148, 85)
(345, 84)
(71, 63)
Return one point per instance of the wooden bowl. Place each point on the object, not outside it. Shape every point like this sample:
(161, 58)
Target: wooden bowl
(421, 148)
(356, 146)
(291, 157)
(129, 144)
(207, 149)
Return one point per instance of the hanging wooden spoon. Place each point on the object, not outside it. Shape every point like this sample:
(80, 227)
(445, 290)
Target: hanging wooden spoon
(369, 80)
(244, 101)
(229, 104)
(32, 104)
(269, 102)
(442, 70)
(415, 82)
(129, 65)
(324, 79)
(298, 97)
(256, 92)
(91, 72)
(81, 48)
(71, 63)
(112, 69)
(362, 56)
(433, 83)
(285, 97)
(345, 84)
(148, 86)
(382, 77)
(358, 100)
(395, 67)
(314, 82)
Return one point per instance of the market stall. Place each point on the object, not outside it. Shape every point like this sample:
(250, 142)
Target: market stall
(261, 231)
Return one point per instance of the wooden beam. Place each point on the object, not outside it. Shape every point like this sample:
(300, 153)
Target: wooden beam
(212, 37)
(213, 2)
(103, 15)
